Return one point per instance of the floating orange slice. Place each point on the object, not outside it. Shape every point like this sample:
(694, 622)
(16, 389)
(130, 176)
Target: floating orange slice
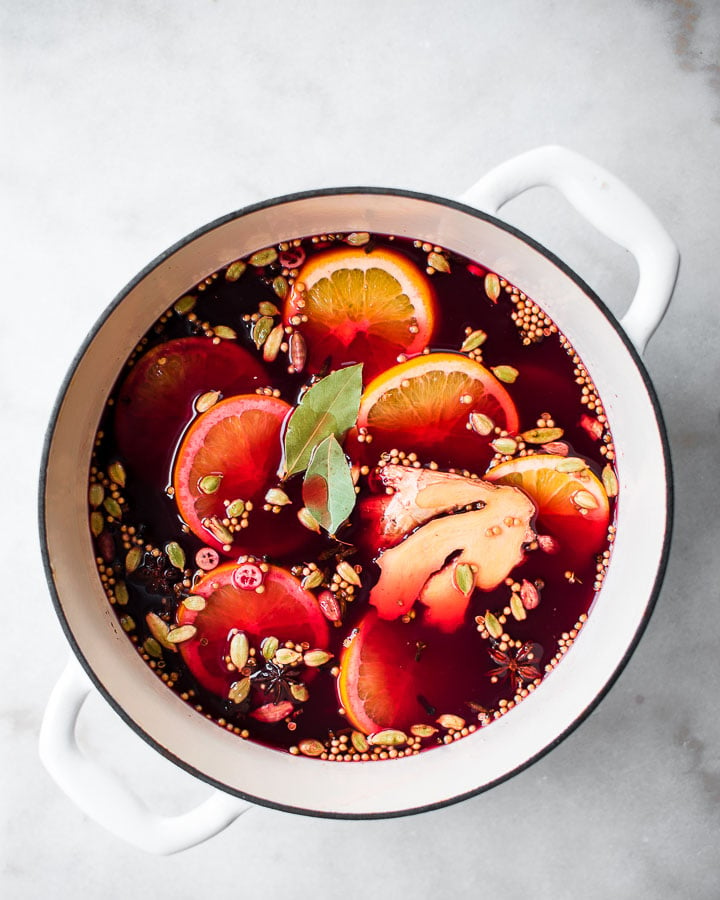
(424, 406)
(283, 610)
(156, 399)
(387, 681)
(230, 453)
(361, 307)
(572, 506)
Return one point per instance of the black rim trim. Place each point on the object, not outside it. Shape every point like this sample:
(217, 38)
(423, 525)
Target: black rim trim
(289, 198)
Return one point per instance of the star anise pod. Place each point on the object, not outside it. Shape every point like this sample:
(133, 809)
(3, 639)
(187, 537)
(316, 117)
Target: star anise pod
(521, 666)
(276, 681)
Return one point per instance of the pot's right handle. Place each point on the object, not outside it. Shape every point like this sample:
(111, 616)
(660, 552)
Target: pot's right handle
(608, 205)
(108, 800)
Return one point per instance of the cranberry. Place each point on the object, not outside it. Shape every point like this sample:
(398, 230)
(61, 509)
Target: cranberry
(248, 576)
(292, 258)
(206, 558)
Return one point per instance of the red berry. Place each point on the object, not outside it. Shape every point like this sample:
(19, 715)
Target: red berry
(206, 558)
(529, 594)
(248, 576)
(292, 258)
(330, 607)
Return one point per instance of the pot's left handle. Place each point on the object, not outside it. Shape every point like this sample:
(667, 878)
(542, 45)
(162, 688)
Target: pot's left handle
(106, 799)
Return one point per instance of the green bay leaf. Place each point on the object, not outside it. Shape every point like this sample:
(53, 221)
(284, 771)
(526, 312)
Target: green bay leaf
(329, 407)
(328, 489)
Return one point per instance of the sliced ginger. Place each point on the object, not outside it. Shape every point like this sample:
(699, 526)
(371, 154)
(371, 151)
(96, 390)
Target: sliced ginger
(445, 603)
(421, 494)
(490, 540)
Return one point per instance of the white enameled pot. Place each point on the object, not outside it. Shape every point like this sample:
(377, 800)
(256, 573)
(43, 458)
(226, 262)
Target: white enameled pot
(241, 770)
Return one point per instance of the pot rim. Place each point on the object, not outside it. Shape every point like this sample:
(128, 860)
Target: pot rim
(371, 191)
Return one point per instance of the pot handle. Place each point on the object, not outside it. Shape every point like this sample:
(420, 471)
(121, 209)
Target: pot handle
(106, 799)
(608, 205)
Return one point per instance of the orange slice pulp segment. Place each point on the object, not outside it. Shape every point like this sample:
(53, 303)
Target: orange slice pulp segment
(232, 452)
(156, 399)
(573, 507)
(424, 405)
(387, 674)
(365, 307)
(283, 610)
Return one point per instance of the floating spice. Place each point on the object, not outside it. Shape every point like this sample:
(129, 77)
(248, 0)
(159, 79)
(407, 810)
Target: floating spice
(508, 374)
(481, 424)
(235, 270)
(175, 554)
(389, 737)
(272, 344)
(263, 257)
(97, 523)
(297, 350)
(358, 238)
(423, 731)
(184, 305)
(225, 332)
(265, 307)
(505, 445)
(261, 330)
(310, 747)
(347, 573)
(181, 634)
(116, 472)
(541, 435)
(464, 578)
(451, 722)
(438, 262)
(492, 286)
(207, 400)
(315, 658)
(474, 340)
(239, 650)
(610, 482)
(281, 288)
(236, 508)
(112, 507)
(492, 626)
(240, 690)
(133, 559)
(96, 495)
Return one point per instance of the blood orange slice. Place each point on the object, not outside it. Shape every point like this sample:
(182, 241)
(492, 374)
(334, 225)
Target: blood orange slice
(572, 506)
(385, 681)
(365, 307)
(424, 406)
(283, 610)
(232, 452)
(156, 399)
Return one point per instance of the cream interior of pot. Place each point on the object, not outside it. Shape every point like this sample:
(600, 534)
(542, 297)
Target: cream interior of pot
(444, 773)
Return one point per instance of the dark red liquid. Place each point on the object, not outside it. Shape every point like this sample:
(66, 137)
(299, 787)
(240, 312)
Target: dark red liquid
(445, 673)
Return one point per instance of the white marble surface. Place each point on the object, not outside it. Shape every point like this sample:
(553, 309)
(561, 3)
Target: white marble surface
(127, 125)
